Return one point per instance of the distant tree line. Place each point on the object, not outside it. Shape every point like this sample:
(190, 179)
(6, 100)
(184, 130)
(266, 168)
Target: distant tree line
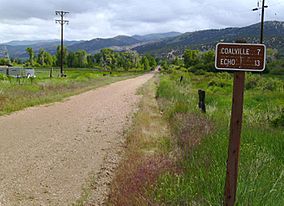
(193, 61)
(106, 59)
(197, 61)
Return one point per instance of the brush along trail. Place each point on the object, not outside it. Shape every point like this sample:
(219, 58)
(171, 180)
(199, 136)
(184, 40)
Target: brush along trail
(63, 153)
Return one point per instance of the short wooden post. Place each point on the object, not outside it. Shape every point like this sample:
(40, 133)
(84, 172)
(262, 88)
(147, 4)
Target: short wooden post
(201, 103)
(18, 79)
(51, 72)
(181, 79)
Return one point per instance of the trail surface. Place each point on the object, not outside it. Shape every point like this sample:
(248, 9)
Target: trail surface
(49, 153)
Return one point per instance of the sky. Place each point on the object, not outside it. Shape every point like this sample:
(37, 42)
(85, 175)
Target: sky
(35, 19)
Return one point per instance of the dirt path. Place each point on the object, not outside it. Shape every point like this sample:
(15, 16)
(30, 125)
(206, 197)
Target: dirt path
(48, 153)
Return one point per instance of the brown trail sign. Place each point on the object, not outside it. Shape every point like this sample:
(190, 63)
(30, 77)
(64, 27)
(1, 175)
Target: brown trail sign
(239, 57)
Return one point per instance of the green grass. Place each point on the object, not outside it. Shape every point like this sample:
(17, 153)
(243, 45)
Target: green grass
(203, 166)
(17, 94)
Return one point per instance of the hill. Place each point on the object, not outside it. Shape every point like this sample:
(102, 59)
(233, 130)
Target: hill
(95, 45)
(156, 37)
(162, 43)
(17, 49)
(207, 39)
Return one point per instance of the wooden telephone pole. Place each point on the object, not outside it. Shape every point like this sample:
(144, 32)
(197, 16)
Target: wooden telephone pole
(61, 21)
(262, 19)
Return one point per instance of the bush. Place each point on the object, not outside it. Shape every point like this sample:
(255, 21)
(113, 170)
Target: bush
(3, 77)
(196, 67)
(200, 72)
(218, 82)
(251, 82)
(271, 84)
(279, 121)
(260, 83)
(278, 71)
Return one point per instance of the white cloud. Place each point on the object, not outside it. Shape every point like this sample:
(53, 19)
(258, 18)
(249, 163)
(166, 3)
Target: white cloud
(34, 19)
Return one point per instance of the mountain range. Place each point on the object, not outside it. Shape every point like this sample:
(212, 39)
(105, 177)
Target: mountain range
(162, 43)
(207, 39)
(17, 49)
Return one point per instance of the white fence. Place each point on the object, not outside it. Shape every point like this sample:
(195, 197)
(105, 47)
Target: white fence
(18, 72)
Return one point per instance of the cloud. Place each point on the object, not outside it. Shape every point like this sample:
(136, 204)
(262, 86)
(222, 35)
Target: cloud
(34, 19)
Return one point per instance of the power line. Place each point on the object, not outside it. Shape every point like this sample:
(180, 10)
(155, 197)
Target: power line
(61, 21)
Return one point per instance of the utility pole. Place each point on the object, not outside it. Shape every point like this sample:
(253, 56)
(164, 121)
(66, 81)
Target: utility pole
(262, 18)
(61, 21)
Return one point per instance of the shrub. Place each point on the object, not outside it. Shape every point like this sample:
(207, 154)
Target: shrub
(260, 83)
(279, 121)
(197, 67)
(251, 82)
(272, 84)
(218, 83)
(278, 71)
(3, 77)
(200, 72)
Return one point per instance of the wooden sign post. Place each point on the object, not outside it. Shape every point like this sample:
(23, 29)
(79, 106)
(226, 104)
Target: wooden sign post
(239, 58)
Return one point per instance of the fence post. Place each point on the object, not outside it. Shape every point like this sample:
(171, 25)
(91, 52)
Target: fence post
(181, 79)
(201, 103)
(51, 72)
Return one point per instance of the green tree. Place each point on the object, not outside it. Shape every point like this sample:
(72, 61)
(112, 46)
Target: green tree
(17, 61)
(44, 58)
(41, 56)
(127, 60)
(208, 57)
(58, 56)
(48, 59)
(4, 61)
(191, 57)
(90, 60)
(152, 60)
(81, 58)
(272, 54)
(145, 63)
(107, 58)
(98, 58)
(71, 60)
(31, 54)
(177, 61)
(165, 65)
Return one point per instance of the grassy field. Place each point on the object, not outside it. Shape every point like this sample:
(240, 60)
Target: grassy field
(203, 140)
(186, 165)
(16, 94)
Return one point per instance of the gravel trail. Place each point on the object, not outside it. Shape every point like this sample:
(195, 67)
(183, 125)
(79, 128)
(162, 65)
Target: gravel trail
(48, 153)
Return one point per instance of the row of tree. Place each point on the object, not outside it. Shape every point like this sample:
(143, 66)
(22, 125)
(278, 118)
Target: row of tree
(106, 58)
(193, 60)
(196, 61)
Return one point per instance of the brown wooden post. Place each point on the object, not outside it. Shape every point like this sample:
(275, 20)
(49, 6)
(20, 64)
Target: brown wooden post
(201, 103)
(235, 137)
(51, 72)
(239, 57)
(181, 79)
